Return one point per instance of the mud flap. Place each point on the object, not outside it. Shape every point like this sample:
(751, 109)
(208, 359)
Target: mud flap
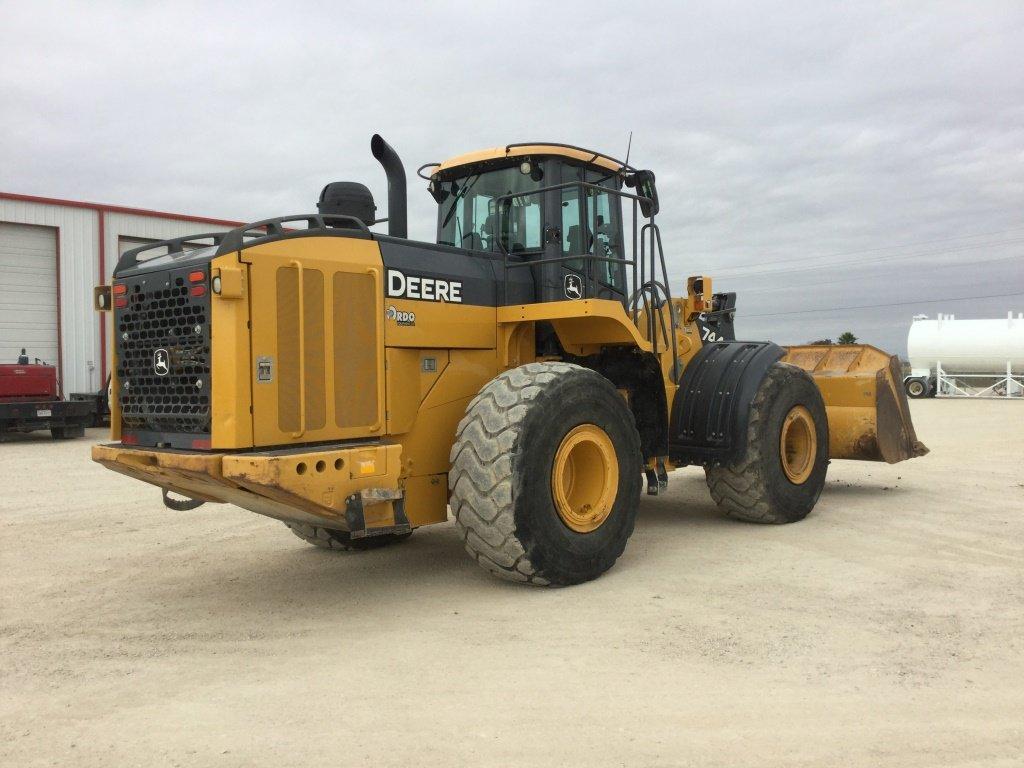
(868, 414)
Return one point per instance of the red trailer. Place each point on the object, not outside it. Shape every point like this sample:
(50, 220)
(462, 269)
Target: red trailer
(30, 400)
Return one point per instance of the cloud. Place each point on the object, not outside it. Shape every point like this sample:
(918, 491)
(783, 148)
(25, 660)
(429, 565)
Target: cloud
(791, 132)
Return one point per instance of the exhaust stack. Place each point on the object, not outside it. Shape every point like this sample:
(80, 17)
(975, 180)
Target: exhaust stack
(387, 157)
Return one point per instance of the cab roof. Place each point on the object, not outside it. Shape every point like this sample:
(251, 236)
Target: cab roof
(510, 151)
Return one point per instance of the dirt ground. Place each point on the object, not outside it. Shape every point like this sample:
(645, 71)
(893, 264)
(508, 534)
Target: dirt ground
(886, 629)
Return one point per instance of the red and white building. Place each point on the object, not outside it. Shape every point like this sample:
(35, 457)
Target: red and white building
(52, 253)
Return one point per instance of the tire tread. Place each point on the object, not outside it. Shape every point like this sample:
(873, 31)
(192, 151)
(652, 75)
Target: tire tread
(740, 488)
(481, 475)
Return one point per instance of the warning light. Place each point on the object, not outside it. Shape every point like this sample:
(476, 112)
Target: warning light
(196, 277)
(120, 289)
(121, 302)
(198, 290)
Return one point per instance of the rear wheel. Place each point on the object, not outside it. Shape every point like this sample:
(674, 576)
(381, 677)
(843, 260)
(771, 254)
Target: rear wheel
(781, 474)
(545, 477)
(916, 388)
(327, 538)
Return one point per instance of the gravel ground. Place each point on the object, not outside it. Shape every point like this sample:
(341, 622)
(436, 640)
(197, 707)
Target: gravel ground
(886, 629)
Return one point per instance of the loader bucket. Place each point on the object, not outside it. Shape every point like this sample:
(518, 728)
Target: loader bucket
(868, 414)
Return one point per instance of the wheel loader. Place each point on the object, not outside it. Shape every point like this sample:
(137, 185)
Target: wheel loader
(530, 370)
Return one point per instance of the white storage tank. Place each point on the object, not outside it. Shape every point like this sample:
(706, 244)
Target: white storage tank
(967, 346)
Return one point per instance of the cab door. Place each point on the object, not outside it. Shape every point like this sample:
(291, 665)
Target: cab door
(588, 222)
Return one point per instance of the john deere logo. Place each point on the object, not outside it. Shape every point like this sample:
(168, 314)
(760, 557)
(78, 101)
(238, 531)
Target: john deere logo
(573, 287)
(161, 362)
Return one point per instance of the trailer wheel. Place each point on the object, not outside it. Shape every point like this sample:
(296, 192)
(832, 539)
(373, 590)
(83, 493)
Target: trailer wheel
(545, 476)
(781, 474)
(67, 433)
(916, 388)
(327, 538)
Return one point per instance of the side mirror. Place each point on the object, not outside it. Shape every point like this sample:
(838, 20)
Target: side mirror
(438, 192)
(643, 181)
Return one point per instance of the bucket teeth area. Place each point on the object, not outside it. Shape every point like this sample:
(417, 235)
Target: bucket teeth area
(868, 414)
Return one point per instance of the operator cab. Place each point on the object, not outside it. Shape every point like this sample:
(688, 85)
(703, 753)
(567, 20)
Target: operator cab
(525, 203)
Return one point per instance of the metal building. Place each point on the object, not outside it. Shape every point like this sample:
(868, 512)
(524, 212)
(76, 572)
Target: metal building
(52, 253)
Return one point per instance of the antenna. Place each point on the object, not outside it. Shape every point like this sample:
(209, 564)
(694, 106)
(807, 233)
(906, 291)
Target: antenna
(629, 146)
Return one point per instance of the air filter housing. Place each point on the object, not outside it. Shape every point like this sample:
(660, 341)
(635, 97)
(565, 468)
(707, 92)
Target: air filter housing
(348, 198)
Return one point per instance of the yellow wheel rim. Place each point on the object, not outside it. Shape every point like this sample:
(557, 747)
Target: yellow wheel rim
(798, 444)
(585, 478)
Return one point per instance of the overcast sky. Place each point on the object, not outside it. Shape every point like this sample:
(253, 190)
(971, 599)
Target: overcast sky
(810, 156)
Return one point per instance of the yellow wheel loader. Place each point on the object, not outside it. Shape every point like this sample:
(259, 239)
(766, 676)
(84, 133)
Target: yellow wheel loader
(528, 370)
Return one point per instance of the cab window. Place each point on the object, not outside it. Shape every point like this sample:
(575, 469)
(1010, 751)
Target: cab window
(468, 216)
(598, 231)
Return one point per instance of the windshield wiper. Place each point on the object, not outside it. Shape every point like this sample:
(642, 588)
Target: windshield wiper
(458, 199)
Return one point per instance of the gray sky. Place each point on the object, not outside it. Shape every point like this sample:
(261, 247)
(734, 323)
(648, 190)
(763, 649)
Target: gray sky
(809, 155)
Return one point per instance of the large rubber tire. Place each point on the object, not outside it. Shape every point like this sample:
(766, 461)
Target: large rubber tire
(326, 538)
(916, 388)
(501, 475)
(755, 487)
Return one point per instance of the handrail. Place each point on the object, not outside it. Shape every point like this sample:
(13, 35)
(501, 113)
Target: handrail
(654, 235)
(569, 184)
(174, 245)
(581, 185)
(555, 259)
(233, 239)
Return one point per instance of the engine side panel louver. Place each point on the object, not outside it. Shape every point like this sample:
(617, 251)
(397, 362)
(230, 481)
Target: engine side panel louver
(300, 344)
(355, 349)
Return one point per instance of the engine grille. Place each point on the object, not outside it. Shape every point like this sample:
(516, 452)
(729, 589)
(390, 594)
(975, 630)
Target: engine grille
(163, 353)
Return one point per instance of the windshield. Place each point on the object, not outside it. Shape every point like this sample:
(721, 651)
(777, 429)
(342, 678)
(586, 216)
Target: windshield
(468, 216)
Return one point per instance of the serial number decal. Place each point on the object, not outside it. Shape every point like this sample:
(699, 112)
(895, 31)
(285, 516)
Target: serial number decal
(264, 369)
(402, 286)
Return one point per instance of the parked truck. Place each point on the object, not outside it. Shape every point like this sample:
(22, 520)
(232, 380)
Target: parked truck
(30, 400)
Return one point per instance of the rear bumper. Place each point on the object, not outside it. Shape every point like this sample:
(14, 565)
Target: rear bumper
(45, 414)
(354, 488)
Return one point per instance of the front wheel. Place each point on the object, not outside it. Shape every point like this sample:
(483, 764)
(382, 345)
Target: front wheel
(782, 471)
(545, 477)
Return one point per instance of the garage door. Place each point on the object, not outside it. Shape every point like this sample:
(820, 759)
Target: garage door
(28, 292)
